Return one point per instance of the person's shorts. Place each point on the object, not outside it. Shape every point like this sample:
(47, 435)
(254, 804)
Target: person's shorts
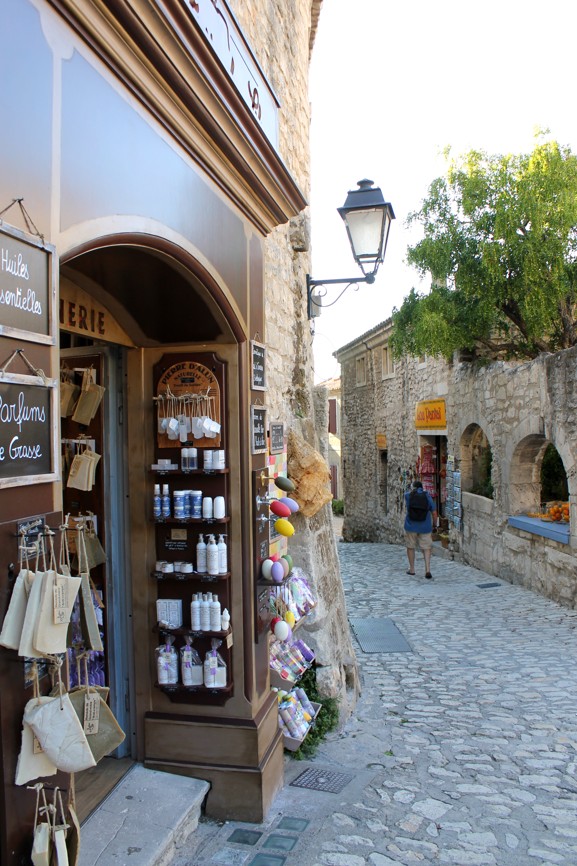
(419, 540)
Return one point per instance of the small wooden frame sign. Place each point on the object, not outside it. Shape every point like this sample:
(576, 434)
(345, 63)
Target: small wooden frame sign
(258, 366)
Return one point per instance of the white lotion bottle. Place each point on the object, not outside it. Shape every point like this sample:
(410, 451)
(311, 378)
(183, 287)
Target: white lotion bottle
(205, 613)
(222, 555)
(211, 556)
(215, 614)
(225, 620)
(201, 555)
(195, 613)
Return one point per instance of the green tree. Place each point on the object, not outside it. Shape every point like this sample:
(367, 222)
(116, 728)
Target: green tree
(500, 243)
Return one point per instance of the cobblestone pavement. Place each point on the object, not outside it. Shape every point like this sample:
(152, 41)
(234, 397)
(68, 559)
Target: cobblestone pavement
(463, 751)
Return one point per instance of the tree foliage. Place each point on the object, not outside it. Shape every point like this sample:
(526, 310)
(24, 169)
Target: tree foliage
(500, 244)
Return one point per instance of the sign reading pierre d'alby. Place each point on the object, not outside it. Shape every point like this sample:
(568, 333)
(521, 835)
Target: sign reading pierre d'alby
(430, 415)
(26, 287)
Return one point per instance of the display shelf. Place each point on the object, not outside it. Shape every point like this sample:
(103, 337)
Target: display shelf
(185, 521)
(186, 630)
(294, 743)
(181, 694)
(182, 576)
(279, 682)
(182, 473)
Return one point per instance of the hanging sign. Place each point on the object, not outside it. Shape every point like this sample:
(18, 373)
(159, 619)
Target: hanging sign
(276, 435)
(258, 430)
(27, 286)
(258, 366)
(188, 393)
(28, 438)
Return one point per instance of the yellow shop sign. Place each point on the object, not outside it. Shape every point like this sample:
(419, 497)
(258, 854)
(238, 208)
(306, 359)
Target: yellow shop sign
(430, 415)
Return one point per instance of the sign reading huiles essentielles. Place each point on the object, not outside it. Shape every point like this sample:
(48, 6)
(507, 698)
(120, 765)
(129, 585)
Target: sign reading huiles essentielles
(26, 287)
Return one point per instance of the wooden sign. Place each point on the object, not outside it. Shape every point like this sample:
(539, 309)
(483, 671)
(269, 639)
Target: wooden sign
(28, 437)
(27, 287)
(257, 366)
(258, 430)
(276, 435)
(190, 390)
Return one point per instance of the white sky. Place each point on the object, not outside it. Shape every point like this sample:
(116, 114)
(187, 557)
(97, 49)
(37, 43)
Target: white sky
(395, 81)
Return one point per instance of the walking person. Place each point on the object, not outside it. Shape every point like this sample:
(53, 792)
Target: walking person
(420, 519)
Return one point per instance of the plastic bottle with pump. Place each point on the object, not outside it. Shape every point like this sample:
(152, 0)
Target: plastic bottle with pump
(222, 555)
(201, 555)
(211, 556)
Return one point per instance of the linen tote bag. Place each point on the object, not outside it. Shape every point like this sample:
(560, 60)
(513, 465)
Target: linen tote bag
(42, 838)
(56, 602)
(59, 732)
(32, 763)
(14, 618)
(59, 832)
(103, 733)
(26, 646)
(88, 621)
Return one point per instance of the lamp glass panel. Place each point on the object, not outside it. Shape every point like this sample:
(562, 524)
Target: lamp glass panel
(366, 232)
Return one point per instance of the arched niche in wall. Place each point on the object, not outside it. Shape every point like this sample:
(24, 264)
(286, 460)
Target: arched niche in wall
(476, 461)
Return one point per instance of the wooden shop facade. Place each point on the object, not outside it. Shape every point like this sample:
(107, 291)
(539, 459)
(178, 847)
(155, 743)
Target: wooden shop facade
(140, 177)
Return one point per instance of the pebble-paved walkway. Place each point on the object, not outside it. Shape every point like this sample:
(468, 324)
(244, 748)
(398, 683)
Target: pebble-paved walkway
(461, 752)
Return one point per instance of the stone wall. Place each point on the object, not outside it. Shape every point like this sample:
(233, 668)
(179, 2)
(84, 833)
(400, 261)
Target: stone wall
(519, 407)
(276, 30)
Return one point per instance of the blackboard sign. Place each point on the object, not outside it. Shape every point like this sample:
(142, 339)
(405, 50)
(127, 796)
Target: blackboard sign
(258, 366)
(28, 412)
(276, 434)
(258, 430)
(27, 287)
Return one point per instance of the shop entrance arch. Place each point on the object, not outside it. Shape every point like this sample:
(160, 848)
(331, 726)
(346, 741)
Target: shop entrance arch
(120, 299)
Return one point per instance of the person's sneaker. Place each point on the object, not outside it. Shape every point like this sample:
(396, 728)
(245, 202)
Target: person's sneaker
(428, 575)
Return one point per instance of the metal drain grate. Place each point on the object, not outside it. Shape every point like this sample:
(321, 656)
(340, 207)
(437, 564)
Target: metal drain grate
(488, 585)
(322, 780)
(379, 636)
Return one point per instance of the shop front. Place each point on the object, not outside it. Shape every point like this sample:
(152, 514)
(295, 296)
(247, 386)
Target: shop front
(431, 468)
(137, 193)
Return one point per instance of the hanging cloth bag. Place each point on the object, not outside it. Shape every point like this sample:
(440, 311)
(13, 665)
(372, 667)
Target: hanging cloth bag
(56, 602)
(59, 832)
(88, 620)
(103, 733)
(32, 763)
(26, 645)
(73, 834)
(55, 724)
(42, 838)
(14, 619)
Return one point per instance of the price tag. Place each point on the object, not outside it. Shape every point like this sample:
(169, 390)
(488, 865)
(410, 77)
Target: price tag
(60, 594)
(229, 640)
(91, 713)
(36, 747)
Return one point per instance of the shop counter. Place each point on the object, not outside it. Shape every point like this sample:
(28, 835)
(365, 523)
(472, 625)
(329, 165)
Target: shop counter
(555, 531)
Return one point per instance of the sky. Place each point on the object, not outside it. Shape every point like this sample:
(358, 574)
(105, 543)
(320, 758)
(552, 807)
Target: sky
(392, 85)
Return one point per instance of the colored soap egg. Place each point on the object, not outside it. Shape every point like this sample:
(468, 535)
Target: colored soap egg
(289, 560)
(280, 509)
(274, 621)
(265, 568)
(285, 567)
(290, 618)
(282, 630)
(283, 527)
(290, 503)
(284, 483)
(277, 572)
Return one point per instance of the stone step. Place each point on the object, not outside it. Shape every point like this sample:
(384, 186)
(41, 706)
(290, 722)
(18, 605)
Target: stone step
(144, 821)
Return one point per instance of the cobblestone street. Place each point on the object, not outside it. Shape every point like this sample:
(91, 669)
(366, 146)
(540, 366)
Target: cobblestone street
(462, 751)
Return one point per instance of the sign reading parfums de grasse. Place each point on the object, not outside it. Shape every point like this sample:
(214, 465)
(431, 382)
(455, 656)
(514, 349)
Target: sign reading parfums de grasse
(26, 435)
(27, 287)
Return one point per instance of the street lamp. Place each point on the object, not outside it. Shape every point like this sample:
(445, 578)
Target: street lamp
(367, 217)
